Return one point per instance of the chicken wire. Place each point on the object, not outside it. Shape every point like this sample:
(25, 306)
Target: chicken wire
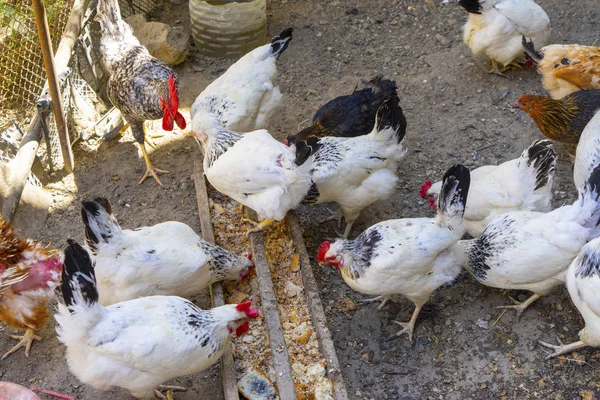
(23, 75)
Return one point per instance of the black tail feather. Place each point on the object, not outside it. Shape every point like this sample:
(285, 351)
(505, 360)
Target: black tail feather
(78, 275)
(390, 115)
(100, 210)
(542, 156)
(280, 42)
(472, 6)
(529, 50)
(455, 189)
(387, 87)
(593, 182)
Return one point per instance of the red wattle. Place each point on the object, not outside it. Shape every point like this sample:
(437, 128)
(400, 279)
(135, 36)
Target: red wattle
(167, 122)
(180, 120)
(245, 327)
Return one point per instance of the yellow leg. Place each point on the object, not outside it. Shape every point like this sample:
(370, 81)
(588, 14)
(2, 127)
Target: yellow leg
(26, 341)
(123, 129)
(496, 70)
(150, 170)
(169, 389)
(258, 226)
(408, 327)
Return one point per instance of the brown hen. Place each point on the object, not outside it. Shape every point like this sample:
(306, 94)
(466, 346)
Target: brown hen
(562, 120)
(28, 274)
(565, 68)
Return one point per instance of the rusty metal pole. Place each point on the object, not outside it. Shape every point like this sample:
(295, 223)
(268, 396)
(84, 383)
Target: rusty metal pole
(57, 108)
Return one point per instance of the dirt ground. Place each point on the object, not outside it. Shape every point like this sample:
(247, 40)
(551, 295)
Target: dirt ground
(456, 113)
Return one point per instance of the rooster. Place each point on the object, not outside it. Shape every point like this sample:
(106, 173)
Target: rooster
(29, 272)
(411, 256)
(351, 115)
(257, 170)
(355, 172)
(164, 259)
(524, 183)
(140, 86)
(588, 151)
(561, 120)
(495, 28)
(565, 68)
(138, 344)
(245, 98)
(583, 281)
(527, 250)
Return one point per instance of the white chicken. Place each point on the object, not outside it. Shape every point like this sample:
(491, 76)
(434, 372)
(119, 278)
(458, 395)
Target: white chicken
(257, 170)
(411, 256)
(165, 259)
(583, 281)
(526, 250)
(138, 344)
(245, 98)
(495, 28)
(356, 172)
(587, 155)
(523, 183)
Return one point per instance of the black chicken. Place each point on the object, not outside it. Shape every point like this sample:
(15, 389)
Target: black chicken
(351, 115)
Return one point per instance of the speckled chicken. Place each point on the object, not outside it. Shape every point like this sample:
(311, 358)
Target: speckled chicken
(351, 115)
(29, 272)
(524, 183)
(165, 259)
(138, 344)
(526, 250)
(583, 281)
(410, 256)
(562, 120)
(355, 172)
(565, 68)
(140, 86)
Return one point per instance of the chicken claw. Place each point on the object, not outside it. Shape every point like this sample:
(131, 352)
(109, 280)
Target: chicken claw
(150, 170)
(384, 299)
(335, 216)
(26, 340)
(520, 307)
(258, 226)
(562, 348)
(169, 389)
(496, 70)
(410, 325)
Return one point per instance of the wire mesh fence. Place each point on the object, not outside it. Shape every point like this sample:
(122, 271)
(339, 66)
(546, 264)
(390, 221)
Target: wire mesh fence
(22, 74)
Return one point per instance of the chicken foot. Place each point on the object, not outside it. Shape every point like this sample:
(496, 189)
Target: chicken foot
(410, 325)
(335, 216)
(562, 348)
(497, 71)
(169, 389)
(150, 169)
(26, 341)
(258, 226)
(520, 307)
(384, 299)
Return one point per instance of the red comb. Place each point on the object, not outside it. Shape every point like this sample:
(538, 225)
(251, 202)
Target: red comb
(323, 249)
(424, 188)
(249, 256)
(245, 327)
(245, 307)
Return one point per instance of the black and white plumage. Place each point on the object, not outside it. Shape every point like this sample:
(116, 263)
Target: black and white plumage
(140, 86)
(495, 28)
(165, 259)
(521, 184)
(583, 282)
(528, 250)
(355, 172)
(410, 256)
(256, 170)
(246, 97)
(587, 155)
(141, 343)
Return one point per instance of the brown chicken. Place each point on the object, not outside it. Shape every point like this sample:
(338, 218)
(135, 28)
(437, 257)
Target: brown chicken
(565, 68)
(28, 274)
(562, 120)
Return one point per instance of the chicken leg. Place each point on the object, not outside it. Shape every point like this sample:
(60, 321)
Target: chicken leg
(258, 226)
(384, 299)
(26, 341)
(150, 170)
(562, 348)
(335, 216)
(169, 389)
(520, 307)
(410, 325)
(148, 141)
(496, 70)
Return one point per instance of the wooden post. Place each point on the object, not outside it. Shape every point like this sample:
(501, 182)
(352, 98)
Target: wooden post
(57, 108)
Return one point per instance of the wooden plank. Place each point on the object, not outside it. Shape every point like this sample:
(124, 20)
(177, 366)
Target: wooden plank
(281, 357)
(230, 389)
(317, 313)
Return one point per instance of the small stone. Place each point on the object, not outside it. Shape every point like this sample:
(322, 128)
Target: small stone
(121, 202)
(115, 177)
(292, 290)
(352, 11)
